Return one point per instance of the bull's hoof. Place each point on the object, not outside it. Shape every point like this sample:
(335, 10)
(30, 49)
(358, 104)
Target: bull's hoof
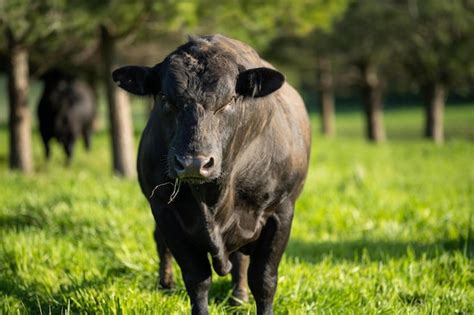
(239, 297)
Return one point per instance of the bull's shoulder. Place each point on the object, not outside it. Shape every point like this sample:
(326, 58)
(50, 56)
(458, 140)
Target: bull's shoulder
(292, 109)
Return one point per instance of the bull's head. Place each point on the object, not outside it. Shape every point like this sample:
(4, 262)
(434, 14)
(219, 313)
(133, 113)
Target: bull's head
(197, 96)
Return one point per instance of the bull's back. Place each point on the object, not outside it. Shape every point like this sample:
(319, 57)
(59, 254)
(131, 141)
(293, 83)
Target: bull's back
(83, 103)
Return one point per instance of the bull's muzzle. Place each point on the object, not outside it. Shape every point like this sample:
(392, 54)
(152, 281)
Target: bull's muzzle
(194, 167)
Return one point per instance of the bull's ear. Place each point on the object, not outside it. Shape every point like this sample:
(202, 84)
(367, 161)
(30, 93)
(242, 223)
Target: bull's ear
(138, 80)
(259, 82)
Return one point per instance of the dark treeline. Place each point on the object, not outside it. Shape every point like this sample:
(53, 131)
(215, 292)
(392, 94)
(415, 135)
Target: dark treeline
(411, 47)
(365, 48)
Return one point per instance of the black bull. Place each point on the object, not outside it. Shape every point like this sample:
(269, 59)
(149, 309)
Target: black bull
(66, 111)
(222, 161)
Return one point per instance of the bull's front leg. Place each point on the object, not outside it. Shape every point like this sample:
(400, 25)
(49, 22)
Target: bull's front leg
(198, 281)
(192, 260)
(166, 278)
(266, 255)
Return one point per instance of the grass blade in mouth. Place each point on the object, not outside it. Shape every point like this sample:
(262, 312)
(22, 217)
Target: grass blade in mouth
(176, 187)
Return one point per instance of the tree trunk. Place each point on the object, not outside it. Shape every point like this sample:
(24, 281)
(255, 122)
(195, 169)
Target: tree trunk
(121, 128)
(434, 96)
(326, 97)
(19, 115)
(372, 98)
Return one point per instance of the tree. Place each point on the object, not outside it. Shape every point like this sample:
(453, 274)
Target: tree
(117, 20)
(312, 60)
(438, 54)
(19, 121)
(365, 35)
(258, 23)
(325, 74)
(24, 23)
(120, 119)
(326, 96)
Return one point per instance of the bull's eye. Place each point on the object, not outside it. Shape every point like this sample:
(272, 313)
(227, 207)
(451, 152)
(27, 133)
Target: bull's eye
(220, 109)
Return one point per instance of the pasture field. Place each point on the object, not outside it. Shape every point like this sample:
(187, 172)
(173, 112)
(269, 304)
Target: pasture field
(378, 229)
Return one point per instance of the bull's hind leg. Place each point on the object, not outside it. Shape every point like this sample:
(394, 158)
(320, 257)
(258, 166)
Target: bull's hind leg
(166, 262)
(240, 265)
(266, 256)
(45, 136)
(47, 150)
(86, 134)
(69, 150)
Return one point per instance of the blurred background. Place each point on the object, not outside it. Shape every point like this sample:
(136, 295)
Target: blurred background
(385, 221)
(367, 57)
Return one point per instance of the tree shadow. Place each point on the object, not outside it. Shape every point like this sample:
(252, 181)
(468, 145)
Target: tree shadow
(27, 214)
(357, 250)
(35, 297)
(19, 222)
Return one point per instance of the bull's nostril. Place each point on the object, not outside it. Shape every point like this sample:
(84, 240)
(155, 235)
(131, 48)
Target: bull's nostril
(178, 163)
(209, 163)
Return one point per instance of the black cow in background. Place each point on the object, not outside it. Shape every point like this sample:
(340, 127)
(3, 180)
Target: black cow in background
(66, 111)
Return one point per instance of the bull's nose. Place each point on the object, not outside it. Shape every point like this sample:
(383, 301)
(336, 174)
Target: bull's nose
(193, 166)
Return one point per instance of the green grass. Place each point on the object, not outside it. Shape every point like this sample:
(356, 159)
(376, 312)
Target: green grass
(378, 229)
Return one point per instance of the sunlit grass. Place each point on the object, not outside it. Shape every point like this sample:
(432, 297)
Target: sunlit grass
(377, 229)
